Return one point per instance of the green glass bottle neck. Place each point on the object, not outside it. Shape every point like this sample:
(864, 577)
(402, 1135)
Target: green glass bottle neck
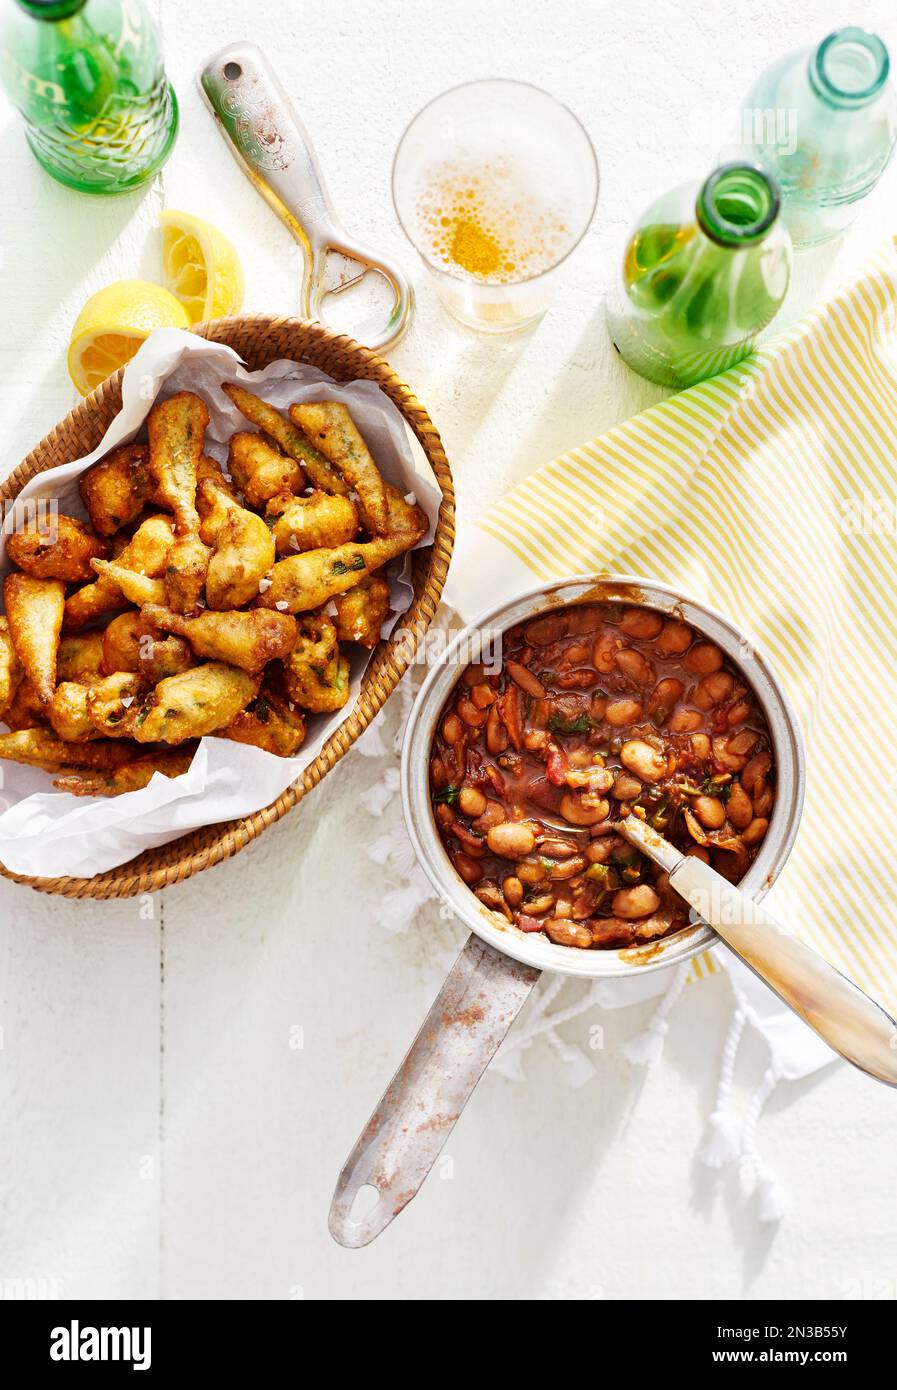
(737, 205)
(49, 10)
(849, 68)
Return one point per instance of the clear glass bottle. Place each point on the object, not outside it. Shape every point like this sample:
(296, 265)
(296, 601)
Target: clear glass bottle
(88, 79)
(824, 121)
(705, 270)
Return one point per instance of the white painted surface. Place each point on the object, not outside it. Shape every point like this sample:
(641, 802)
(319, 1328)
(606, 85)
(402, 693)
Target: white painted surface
(159, 1136)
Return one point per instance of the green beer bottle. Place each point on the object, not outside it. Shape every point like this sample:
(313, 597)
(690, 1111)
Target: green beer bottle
(824, 122)
(705, 270)
(87, 77)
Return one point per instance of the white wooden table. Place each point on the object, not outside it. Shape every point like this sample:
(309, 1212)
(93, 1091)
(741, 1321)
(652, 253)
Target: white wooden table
(159, 1134)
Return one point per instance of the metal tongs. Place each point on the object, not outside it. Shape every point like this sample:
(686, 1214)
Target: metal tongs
(273, 148)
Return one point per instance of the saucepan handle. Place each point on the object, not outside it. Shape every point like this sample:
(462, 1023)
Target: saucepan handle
(473, 1011)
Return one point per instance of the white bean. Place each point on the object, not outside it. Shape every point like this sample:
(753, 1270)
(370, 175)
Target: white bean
(510, 840)
(638, 901)
(646, 762)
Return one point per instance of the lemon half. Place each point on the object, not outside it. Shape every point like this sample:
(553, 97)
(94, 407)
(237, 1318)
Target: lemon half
(112, 325)
(201, 267)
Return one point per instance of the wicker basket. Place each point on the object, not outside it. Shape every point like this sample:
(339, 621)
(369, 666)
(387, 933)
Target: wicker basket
(260, 339)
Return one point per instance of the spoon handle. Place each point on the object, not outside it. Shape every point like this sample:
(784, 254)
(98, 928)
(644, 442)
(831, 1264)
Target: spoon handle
(834, 1007)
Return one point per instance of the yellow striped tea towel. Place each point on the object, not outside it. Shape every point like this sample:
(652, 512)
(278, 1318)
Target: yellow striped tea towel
(770, 492)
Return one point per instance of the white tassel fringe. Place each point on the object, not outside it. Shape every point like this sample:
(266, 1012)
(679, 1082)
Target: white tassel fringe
(646, 1049)
(770, 1199)
(721, 1141)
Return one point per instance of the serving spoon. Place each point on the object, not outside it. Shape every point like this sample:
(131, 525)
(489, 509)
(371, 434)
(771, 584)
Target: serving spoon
(834, 1007)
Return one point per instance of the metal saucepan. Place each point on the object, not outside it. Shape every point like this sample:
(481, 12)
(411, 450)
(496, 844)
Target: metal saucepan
(495, 972)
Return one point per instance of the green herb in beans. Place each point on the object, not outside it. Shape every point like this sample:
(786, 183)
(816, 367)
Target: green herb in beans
(559, 725)
(448, 794)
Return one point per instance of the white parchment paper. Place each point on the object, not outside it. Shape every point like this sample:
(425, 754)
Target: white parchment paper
(46, 832)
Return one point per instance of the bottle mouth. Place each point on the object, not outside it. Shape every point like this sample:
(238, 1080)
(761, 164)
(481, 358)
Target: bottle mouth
(51, 9)
(850, 67)
(738, 204)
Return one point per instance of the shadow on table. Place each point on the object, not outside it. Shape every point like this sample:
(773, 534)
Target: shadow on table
(732, 1184)
(50, 252)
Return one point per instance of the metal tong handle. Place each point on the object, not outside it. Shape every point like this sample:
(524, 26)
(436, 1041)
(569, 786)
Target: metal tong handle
(273, 147)
(482, 995)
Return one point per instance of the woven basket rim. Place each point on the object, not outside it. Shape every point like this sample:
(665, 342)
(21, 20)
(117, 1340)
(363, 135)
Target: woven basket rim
(65, 442)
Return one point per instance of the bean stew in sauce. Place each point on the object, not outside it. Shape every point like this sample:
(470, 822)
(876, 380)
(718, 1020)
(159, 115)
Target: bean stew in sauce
(598, 711)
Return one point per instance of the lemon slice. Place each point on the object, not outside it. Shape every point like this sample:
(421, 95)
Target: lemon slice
(112, 325)
(202, 269)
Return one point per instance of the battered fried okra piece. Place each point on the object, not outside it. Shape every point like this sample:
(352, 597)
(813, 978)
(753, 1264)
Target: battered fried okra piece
(116, 489)
(316, 675)
(248, 640)
(269, 722)
(331, 429)
(146, 553)
(301, 583)
(262, 473)
(209, 468)
(196, 702)
(407, 522)
(243, 548)
(185, 572)
(60, 547)
(10, 668)
(308, 523)
(26, 711)
(41, 748)
(176, 430)
(68, 713)
(34, 609)
(130, 777)
(131, 643)
(110, 702)
(361, 613)
(80, 658)
(286, 435)
(135, 587)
